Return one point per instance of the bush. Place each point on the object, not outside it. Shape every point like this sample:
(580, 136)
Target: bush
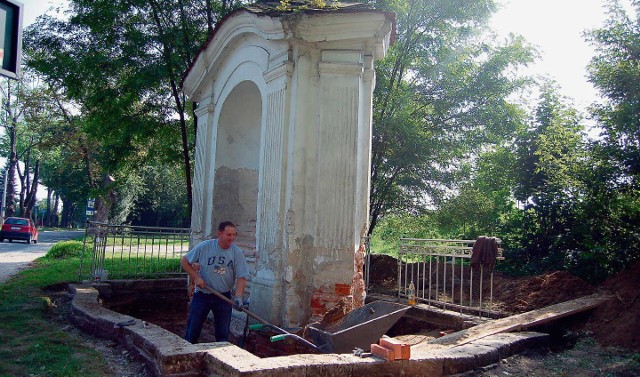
(66, 249)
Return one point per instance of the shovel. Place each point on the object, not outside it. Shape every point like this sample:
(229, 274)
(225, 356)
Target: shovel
(284, 333)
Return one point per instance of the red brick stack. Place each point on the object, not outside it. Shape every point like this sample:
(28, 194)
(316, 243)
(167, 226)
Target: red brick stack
(391, 349)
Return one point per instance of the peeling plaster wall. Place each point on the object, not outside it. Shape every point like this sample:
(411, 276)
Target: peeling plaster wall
(235, 198)
(328, 188)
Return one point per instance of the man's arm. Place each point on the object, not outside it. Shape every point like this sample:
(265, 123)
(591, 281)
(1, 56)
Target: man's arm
(193, 274)
(240, 284)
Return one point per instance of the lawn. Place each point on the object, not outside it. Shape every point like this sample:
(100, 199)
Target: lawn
(33, 341)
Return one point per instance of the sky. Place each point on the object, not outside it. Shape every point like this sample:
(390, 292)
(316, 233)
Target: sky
(556, 27)
(34, 8)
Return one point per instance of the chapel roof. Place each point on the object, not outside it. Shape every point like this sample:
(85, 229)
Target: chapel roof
(278, 8)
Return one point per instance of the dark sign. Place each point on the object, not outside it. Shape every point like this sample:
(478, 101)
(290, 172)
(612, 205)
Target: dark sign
(10, 37)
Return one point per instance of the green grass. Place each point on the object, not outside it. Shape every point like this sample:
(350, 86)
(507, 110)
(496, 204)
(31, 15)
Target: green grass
(129, 267)
(32, 339)
(137, 261)
(148, 241)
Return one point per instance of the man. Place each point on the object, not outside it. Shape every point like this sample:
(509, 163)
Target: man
(222, 264)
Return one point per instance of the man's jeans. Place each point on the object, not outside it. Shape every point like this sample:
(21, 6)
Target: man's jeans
(201, 304)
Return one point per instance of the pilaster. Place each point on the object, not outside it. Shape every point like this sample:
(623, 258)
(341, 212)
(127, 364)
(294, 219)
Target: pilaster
(204, 112)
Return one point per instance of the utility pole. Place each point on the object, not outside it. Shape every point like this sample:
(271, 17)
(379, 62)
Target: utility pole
(4, 195)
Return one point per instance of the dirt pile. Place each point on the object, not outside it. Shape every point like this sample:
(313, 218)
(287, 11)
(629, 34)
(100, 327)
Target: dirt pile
(383, 273)
(615, 323)
(519, 295)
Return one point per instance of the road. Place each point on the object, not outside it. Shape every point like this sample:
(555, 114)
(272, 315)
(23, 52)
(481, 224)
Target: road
(17, 255)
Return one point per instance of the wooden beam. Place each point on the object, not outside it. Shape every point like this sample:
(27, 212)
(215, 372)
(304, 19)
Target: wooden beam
(522, 321)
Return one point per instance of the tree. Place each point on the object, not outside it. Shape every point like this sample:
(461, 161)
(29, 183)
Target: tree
(612, 206)
(121, 62)
(161, 202)
(614, 72)
(27, 124)
(440, 99)
(10, 123)
(468, 215)
(549, 168)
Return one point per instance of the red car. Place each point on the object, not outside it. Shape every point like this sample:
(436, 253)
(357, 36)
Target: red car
(18, 228)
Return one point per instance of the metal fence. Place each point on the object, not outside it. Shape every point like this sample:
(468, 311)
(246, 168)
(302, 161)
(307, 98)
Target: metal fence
(366, 242)
(126, 252)
(442, 275)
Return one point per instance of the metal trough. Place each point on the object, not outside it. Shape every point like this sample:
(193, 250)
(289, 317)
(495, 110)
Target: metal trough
(358, 329)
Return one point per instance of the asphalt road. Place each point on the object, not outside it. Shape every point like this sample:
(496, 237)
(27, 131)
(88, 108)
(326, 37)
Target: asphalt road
(17, 255)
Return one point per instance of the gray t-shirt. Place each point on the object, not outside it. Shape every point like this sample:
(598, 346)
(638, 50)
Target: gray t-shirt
(219, 268)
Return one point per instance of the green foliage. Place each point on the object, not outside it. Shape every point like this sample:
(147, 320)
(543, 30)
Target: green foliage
(162, 201)
(614, 72)
(386, 235)
(29, 121)
(440, 99)
(67, 249)
(392, 228)
(550, 159)
(120, 64)
(469, 214)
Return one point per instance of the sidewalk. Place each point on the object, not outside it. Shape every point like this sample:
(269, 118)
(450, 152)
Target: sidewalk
(13, 262)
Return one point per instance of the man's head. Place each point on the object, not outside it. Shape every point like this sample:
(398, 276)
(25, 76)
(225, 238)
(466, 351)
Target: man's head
(226, 234)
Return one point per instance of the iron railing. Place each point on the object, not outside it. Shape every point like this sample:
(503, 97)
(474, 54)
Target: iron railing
(366, 241)
(126, 252)
(442, 276)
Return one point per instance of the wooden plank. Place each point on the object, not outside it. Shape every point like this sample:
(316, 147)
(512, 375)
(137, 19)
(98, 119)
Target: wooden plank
(522, 321)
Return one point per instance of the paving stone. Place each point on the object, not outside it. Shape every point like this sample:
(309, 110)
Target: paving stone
(378, 368)
(457, 359)
(525, 340)
(500, 342)
(485, 355)
(425, 367)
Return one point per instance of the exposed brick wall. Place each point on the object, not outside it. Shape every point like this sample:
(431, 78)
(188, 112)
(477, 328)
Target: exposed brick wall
(325, 298)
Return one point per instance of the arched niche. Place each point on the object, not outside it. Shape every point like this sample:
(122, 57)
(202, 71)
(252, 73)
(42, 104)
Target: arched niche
(237, 158)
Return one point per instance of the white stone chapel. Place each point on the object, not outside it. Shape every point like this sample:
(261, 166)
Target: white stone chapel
(284, 93)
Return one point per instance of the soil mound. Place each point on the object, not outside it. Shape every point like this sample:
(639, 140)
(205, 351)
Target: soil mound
(616, 323)
(519, 295)
(383, 273)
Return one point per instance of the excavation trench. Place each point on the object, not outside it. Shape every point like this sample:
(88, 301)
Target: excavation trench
(149, 317)
(165, 304)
